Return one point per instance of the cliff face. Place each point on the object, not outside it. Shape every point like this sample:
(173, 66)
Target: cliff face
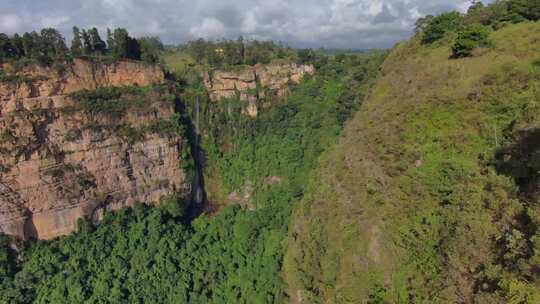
(253, 84)
(81, 75)
(60, 162)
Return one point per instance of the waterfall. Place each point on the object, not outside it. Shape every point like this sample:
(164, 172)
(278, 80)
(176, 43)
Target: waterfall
(198, 191)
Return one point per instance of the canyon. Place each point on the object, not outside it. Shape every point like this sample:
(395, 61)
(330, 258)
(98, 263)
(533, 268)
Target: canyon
(227, 170)
(60, 162)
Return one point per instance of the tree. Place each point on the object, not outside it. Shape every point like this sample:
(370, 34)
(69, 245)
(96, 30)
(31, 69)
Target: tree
(125, 46)
(475, 6)
(197, 49)
(524, 9)
(6, 49)
(422, 23)
(242, 48)
(28, 44)
(534, 10)
(134, 49)
(478, 13)
(120, 38)
(110, 40)
(175, 206)
(258, 52)
(8, 258)
(470, 38)
(306, 56)
(98, 45)
(17, 43)
(232, 52)
(150, 48)
(76, 44)
(440, 25)
(53, 45)
(88, 48)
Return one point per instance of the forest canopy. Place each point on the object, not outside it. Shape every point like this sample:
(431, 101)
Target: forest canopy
(238, 52)
(48, 46)
(472, 29)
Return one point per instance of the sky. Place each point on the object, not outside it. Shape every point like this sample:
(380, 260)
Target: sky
(358, 24)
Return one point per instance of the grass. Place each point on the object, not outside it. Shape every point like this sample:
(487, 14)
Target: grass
(180, 63)
(399, 203)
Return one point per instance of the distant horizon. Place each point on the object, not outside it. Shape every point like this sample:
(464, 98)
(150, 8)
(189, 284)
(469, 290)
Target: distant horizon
(356, 50)
(333, 24)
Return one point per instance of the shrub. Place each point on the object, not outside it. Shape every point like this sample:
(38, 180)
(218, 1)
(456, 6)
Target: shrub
(175, 206)
(306, 56)
(111, 101)
(167, 127)
(8, 258)
(129, 134)
(440, 25)
(470, 38)
(73, 135)
(7, 136)
(520, 10)
(19, 79)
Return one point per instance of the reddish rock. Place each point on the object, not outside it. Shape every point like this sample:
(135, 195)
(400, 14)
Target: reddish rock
(49, 178)
(274, 77)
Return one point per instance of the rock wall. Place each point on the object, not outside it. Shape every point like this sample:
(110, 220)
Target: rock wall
(254, 83)
(54, 169)
(81, 75)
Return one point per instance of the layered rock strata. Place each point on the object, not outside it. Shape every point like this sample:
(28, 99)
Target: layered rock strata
(59, 163)
(253, 83)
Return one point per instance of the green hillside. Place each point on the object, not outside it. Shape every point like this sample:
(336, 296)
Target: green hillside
(430, 196)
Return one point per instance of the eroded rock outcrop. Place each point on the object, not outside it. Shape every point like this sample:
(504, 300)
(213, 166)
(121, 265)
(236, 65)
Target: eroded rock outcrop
(59, 163)
(81, 75)
(254, 83)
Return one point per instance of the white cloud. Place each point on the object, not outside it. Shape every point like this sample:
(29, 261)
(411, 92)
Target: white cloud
(55, 21)
(375, 8)
(10, 22)
(330, 23)
(210, 28)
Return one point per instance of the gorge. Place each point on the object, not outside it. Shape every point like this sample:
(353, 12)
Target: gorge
(61, 162)
(248, 171)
